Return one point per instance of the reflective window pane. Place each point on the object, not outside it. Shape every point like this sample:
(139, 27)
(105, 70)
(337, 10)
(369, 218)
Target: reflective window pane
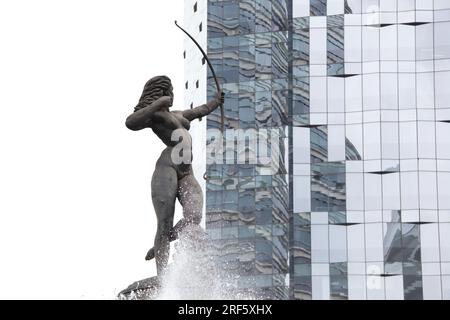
(388, 43)
(302, 198)
(425, 90)
(407, 85)
(429, 241)
(320, 287)
(444, 233)
(442, 79)
(389, 90)
(391, 191)
(406, 42)
(355, 242)
(353, 94)
(374, 243)
(408, 140)
(300, 8)
(319, 243)
(372, 136)
(318, 85)
(441, 40)
(442, 140)
(394, 288)
(372, 192)
(338, 243)
(432, 287)
(428, 190)
(409, 190)
(318, 46)
(370, 43)
(444, 190)
(424, 41)
(389, 140)
(336, 143)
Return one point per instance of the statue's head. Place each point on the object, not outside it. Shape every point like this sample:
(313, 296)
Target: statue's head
(154, 89)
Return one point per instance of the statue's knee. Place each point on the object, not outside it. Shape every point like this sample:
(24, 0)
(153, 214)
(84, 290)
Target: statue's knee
(159, 200)
(196, 219)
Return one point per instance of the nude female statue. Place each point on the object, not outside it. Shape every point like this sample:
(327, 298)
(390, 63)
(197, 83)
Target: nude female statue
(170, 180)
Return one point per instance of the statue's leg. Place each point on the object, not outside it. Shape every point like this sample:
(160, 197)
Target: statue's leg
(191, 198)
(164, 192)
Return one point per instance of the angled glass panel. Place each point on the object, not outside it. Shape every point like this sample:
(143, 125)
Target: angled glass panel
(406, 42)
(302, 193)
(318, 7)
(357, 287)
(432, 288)
(263, 21)
(319, 243)
(370, 43)
(391, 191)
(320, 287)
(441, 40)
(318, 46)
(388, 43)
(335, 44)
(279, 15)
(355, 242)
(353, 44)
(392, 242)
(406, 85)
(372, 143)
(389, 140)
(425, 90)
(444, 234)
(300, 8)
(442, 140)
(338, 243)
(247, 16)
(353, 93)
(354, 142)
(374, 242)
(424, 41)
(429, 241)
(355, 187)
(372, 192)
(394, 288)
(442, 93)
(428, 190)
(408, 140)
(318, 89)
(231, 18)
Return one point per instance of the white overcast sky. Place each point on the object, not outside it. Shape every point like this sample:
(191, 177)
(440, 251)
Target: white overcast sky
(76, 218)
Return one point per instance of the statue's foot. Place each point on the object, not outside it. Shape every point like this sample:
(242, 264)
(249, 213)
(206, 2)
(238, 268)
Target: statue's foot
(150, 254)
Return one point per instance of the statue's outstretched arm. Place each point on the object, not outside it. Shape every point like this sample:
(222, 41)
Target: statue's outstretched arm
(143, 118)
(204, 109)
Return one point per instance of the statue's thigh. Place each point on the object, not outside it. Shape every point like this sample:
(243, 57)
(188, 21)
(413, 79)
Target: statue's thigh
(190, 196)
(164, 189)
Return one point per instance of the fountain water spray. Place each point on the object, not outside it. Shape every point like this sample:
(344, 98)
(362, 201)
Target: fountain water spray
(195, 273)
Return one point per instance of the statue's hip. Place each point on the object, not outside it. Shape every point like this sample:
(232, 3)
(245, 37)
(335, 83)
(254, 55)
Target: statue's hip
(166, 159)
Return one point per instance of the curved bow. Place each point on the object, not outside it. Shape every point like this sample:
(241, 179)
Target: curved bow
(212, 72)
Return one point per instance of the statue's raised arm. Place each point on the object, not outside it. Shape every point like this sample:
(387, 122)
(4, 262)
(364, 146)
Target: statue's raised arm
(204, 109)
(144, 118)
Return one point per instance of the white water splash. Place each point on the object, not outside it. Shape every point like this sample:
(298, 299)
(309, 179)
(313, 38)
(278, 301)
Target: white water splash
(194, 274)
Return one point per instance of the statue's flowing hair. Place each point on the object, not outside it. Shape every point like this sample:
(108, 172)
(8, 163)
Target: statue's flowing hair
(154, 89)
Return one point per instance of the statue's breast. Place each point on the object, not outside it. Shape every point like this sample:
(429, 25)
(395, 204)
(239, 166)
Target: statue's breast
(184, 122)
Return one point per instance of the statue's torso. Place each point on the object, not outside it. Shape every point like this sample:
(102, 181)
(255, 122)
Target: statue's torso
(167, 122)
(164, 126)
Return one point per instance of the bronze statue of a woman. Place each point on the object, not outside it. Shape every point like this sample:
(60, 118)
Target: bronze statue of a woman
(170, 180)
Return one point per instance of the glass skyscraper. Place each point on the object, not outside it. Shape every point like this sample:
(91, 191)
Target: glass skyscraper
(359, 206)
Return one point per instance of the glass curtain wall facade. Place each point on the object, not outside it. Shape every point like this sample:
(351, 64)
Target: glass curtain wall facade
(359, 207)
